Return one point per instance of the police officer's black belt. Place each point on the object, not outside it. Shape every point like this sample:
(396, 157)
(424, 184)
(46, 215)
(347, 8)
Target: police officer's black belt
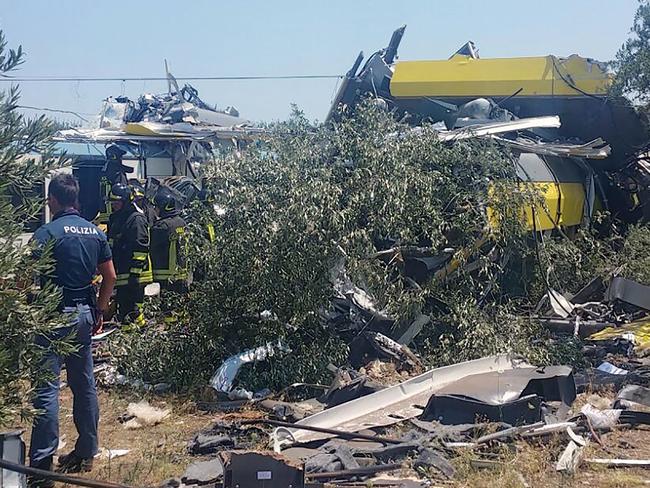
(72, 297)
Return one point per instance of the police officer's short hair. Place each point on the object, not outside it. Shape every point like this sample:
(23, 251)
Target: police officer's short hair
(65, 188)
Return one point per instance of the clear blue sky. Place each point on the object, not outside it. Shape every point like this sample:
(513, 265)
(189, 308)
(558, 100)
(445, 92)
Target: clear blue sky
(263, 37)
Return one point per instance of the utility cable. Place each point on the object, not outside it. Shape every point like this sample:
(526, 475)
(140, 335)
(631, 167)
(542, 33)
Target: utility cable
(45, 109)
(164, 78)
(63, 478)
(570, 82)
(539, 263)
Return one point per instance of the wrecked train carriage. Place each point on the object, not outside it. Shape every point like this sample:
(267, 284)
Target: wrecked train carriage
(568, 186)
(466, 90)
(151, 160)
(164, 138)
(565, 188)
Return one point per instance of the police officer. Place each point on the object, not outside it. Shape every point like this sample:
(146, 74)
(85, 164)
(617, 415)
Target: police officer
(114, 172)
(128, 232)
(79, 250)
(168, 242)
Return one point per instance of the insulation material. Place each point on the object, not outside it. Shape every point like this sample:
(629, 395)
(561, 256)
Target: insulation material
(224, 377)
(142, 414)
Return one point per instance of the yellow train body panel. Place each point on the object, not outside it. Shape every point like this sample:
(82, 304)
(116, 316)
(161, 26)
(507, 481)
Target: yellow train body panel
(640, 329)
(563, 206)
(463, 76)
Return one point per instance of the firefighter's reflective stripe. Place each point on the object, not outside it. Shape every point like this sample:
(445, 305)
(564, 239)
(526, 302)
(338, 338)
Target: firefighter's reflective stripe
(174, 270)
(104, 191)
(122, 279)
(177, 272)
(144, 277)
(141, 266)
(139, 262)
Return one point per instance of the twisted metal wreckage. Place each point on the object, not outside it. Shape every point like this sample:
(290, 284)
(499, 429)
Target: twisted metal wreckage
(341, 434)
(166, 137)
(581, 148)
(555, 115)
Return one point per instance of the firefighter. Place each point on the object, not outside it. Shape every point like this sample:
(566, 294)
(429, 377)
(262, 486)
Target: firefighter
(142, 201)
(79, 249)
(114, 172)
(168, 242)
(128, 233)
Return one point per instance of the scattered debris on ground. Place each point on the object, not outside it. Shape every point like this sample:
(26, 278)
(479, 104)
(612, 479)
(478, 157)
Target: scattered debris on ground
(391, 302)
(142, 414)
(420, 429)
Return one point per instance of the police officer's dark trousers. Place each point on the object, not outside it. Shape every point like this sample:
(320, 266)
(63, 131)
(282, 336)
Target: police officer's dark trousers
(79, 366)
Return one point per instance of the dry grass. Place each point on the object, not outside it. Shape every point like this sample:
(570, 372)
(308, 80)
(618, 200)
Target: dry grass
(157, 452)
(160, 452)
(533, 465)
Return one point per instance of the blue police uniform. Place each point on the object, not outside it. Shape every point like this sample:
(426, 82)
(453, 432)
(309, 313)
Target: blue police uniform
(79, 247)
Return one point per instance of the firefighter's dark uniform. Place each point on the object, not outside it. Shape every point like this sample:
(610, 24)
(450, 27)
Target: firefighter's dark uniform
(114, 172)
(128, 233)
(140, 199)
(168, 242)
(79, 247)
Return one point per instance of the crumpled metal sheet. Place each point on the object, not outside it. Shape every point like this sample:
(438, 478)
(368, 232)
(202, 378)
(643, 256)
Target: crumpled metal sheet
(635, 393)
(202, 133)
(628, 291)
(223, 378)
(596, 149)
(560, 305)
(553, 383)
(513, 396)
(460, 409)
(391, 405)
(469, 132)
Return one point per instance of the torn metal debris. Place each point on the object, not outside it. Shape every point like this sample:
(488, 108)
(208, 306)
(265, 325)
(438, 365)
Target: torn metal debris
(629, 292)
(224, 377)
(391, 405)
(178, 114)
(260, 470)
(514, 397)
(461, 93)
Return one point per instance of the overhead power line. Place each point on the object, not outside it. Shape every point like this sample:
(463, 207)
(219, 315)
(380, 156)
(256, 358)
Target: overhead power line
(45, 109)
(48, 79)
